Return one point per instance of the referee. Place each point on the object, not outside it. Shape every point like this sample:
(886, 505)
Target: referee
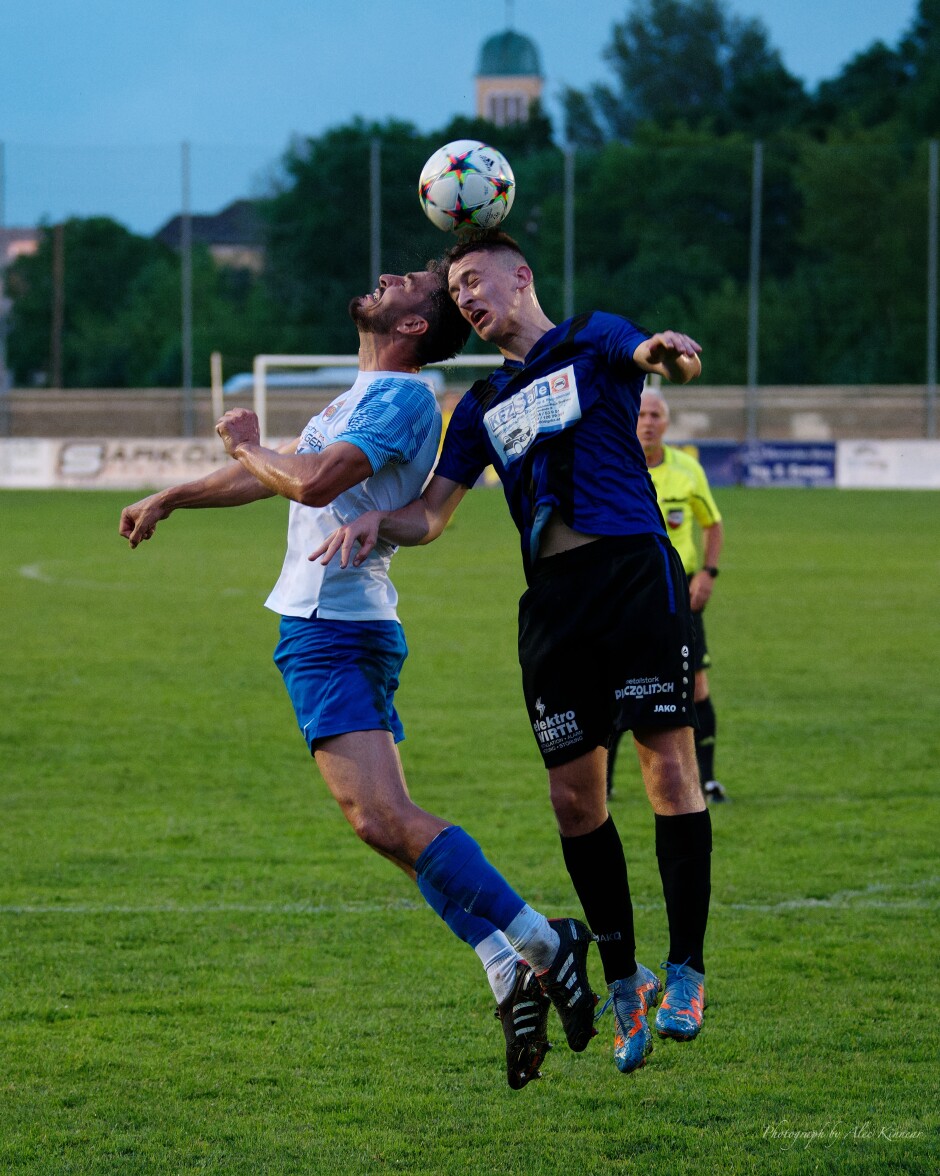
(685, 500)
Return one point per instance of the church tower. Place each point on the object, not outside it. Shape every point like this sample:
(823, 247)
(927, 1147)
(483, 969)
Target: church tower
(509, 78)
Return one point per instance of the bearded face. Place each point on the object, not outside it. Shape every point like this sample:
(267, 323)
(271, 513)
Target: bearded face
(371, 317)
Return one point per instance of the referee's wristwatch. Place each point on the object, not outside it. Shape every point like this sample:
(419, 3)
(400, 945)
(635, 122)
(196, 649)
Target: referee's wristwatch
(713, 572)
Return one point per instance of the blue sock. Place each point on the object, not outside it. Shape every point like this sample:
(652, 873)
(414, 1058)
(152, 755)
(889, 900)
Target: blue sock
(470, 928)
(454, 865)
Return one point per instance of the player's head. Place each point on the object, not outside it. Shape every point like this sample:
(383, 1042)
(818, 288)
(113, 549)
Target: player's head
(447, 331)
(414, 307)
(490, 241)
(652, 421)
(491, 282)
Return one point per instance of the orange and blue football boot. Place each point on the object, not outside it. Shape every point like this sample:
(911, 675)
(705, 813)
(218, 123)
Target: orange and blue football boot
(632, 998)
(680, 1014)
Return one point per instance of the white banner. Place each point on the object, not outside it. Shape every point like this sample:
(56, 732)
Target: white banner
(107, 464)
(888, 465)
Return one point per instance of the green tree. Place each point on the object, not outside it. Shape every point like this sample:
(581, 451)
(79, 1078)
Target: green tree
(686, 62)
(861, 272)
(141, 345)
(101, 259)
(122, 311)
(867, 93)
(920, 54)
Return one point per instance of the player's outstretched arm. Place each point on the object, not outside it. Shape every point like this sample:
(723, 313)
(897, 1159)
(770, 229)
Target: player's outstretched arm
(421, 521)
(231, 485)
(670, 354)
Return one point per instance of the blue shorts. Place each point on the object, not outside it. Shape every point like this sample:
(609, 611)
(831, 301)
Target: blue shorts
(342, 675)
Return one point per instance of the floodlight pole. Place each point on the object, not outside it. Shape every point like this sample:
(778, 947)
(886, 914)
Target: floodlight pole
(933, 214)
(375, 208)
(568, 298)
(186, 293)
(5, 414)
(58, 305)
(753, 302)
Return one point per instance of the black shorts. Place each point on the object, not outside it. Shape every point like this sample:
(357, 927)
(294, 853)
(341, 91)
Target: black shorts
(605, 644)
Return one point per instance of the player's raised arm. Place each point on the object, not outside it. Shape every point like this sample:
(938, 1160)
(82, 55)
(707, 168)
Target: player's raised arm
(670, 354)
(313, 479)
(421, 521)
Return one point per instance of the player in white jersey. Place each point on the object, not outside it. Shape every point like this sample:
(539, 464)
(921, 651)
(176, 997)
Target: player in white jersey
(341, 646)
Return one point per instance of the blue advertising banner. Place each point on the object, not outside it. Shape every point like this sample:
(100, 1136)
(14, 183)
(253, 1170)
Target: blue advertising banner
(787, 463)
(719, 459)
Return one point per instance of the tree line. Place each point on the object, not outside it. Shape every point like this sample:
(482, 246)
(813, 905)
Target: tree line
(664, 151)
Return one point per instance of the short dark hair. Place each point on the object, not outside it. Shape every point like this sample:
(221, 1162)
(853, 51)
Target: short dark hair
(448, 331)
(486, 241)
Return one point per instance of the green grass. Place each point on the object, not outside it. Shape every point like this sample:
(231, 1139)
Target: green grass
(202, 970)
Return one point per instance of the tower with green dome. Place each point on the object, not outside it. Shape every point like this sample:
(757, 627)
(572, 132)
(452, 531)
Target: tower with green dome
(509, 78)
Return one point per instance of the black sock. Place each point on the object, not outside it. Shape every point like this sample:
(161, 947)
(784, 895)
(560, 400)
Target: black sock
(705, 740)
(683, 849)
(598, 871)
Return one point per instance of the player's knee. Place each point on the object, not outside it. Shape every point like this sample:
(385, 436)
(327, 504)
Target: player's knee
(381, 831)
(578, 810)
(670, 772)
(674, 786)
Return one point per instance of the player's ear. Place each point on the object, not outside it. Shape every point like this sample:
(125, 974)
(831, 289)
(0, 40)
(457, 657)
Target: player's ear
(524, 276)
(413, 324)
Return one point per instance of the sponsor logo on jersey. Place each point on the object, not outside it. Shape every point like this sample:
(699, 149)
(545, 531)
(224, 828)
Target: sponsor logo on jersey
(312, 440)
(547, 405)
(332, 409)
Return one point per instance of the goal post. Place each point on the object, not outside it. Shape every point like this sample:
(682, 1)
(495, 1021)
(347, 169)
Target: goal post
(263, 364)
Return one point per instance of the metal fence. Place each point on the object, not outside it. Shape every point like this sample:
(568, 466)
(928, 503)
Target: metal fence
(143, 187)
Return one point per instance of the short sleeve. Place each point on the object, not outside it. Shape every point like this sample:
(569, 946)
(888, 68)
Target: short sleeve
(621, 338)
(703, 504)
(392, 422)
(464, 455)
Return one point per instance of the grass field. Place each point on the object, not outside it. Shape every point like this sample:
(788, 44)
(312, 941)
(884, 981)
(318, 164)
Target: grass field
(204, 971)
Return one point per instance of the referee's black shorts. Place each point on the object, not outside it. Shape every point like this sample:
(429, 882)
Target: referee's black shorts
(605, 643)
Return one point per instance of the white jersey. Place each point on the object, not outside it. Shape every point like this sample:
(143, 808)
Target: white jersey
(394, 418)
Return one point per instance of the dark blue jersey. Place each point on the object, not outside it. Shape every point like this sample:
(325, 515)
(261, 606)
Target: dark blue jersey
(560, 430)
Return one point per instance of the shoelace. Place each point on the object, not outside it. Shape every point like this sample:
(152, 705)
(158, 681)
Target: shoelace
(610, 1000)
(688, 987)
(606, 1005)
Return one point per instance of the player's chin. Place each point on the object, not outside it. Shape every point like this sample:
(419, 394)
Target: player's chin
(482, 325)
(359, 306)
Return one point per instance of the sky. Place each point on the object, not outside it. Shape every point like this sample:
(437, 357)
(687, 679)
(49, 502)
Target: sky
(96, 98)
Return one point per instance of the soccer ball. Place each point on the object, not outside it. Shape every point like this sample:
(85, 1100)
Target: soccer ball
(466, 183)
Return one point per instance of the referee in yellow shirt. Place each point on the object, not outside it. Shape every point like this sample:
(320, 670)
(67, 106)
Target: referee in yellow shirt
(685, 500)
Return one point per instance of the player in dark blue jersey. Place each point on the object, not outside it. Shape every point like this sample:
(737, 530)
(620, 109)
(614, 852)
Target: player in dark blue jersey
(604, 626)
